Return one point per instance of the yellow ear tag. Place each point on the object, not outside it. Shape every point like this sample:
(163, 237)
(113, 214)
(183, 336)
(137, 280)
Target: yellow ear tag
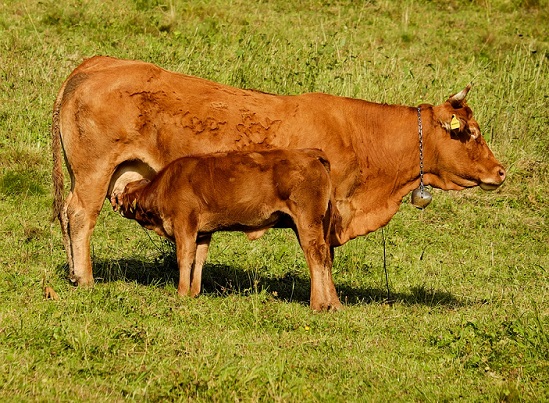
(134, 205)
(454, 123)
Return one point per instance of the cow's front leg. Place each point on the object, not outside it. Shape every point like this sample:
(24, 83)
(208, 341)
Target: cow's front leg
(319, 259)
(323, 292)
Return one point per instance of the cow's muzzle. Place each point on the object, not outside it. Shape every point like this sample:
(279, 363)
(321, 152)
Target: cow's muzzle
(495, 181)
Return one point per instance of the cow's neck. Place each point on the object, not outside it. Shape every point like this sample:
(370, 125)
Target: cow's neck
(387, 150)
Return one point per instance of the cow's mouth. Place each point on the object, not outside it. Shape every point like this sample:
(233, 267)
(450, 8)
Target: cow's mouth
(489, 186)
(494, 182)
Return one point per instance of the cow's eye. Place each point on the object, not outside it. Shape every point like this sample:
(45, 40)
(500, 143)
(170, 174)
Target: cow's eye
(461, 135)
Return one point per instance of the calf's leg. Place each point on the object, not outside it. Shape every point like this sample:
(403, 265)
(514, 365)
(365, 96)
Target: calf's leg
(186, 252)
(185, 232)
(200, 258)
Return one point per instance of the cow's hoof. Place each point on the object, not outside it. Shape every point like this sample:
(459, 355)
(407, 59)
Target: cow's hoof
(327, 307)
(82, 283)
(336, 306)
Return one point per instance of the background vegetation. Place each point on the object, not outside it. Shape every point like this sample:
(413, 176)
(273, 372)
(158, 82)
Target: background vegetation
(468, 276)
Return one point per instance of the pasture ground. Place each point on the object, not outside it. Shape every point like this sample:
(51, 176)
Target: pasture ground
(469, 318)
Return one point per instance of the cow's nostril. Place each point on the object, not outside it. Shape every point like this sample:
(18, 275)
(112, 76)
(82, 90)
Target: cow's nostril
(501, 173)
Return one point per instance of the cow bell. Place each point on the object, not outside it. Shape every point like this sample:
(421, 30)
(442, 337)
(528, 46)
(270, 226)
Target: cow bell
(421, 198)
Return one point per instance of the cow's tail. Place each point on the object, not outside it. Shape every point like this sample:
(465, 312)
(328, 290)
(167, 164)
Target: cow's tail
(57, 171)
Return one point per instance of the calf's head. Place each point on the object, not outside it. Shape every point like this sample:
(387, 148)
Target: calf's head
(457, 155)
(126, 202)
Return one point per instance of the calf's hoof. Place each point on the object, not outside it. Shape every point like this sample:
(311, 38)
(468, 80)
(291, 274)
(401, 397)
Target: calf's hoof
(188, 293)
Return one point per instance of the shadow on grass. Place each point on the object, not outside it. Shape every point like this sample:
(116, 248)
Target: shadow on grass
(222, 280)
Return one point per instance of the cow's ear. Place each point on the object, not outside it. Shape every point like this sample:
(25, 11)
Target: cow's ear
(454, 123)
(451, 124)
(459, 128)
(458, 99)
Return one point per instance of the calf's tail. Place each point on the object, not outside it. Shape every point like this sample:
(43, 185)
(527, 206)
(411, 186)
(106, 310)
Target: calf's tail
(319, 155)
(335, 227)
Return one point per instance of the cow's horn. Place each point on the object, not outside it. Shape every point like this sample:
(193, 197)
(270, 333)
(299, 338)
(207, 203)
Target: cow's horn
(460, 96)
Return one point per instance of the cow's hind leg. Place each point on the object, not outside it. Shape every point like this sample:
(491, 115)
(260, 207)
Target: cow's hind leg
(78, 219)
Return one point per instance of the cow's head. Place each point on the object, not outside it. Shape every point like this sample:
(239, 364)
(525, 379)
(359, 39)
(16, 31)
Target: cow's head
(456, 154)
(126, 202)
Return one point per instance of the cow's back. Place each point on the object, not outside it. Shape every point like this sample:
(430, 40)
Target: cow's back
(128, 110)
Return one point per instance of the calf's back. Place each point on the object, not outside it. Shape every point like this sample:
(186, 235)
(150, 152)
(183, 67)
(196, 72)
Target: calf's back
(233, 191)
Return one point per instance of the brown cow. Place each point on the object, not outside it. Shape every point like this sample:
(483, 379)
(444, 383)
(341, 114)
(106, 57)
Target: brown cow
(195, 196)
(119, 121)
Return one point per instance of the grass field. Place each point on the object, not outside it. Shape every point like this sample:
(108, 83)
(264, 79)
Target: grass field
(468, 276)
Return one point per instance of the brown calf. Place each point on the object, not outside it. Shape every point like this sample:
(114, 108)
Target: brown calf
(195, 196)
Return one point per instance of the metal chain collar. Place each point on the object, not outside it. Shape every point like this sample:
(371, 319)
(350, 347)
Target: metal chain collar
(420, 131)
(421, 196)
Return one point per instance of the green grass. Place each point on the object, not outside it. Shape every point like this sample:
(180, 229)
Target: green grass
(469, 318)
